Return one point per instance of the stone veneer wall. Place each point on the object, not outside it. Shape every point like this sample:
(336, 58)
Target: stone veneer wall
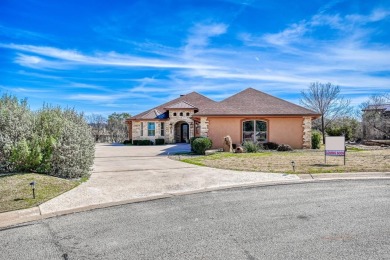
(204, 127)
(306, 132)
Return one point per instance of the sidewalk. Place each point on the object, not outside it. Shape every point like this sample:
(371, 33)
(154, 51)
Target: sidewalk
(129, 174)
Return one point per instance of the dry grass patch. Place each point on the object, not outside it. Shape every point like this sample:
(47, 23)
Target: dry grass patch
(306, 161)
(16, 192)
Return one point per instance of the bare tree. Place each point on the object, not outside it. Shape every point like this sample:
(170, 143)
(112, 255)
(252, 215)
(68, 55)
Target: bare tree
(327, 101)
(117, 126)
(98, 124)
(376, 117)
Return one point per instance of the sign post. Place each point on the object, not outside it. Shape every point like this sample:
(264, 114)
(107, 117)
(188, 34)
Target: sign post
(335, 146)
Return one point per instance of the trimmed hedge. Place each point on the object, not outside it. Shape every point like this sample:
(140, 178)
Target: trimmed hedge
(160, 141)
(270, 146)
(192, 141)
(200, 145)
(142, 142)
(125, 142)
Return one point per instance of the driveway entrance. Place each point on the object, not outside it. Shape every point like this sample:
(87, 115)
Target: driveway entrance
(122, 173)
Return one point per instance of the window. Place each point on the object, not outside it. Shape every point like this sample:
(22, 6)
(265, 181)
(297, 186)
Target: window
(151, 129)
(188, 114)
(181, 113)
(142, 128)
(174, 114)
(162, 126)
(254, 130)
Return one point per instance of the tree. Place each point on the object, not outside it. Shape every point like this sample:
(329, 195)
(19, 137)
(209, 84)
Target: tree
(326, 100)
(348, 126)
(99, 124)
(117, 126)
(376, 117)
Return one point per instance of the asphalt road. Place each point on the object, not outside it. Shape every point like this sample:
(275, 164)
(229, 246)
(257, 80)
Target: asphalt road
(325, 220)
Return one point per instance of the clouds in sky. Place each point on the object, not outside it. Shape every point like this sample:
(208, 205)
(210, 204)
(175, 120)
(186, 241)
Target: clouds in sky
(217, 50)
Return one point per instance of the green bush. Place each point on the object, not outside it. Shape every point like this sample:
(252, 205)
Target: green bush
(251, 147)
(316, 139)
(126, 142)
(52, 141)
(270, 146)
(142, 142)
(160, 141)
(200, 145)
(192, 141)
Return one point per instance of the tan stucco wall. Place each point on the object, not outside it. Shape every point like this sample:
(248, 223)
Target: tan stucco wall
(280, 130)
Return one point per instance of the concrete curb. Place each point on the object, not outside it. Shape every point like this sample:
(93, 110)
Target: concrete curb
(12, 218)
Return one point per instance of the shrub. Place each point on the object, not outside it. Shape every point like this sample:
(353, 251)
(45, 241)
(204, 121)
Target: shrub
(160, 141)
(270, 146)
(127, 142)
(201, 145)
(316, 139)
(192, 139)
(284, 148)
(251, 147)
(142, 142)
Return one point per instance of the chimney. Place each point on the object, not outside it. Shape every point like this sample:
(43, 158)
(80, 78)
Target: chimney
(182, 95)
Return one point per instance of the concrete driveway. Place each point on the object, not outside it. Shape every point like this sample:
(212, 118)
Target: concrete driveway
(123, 173)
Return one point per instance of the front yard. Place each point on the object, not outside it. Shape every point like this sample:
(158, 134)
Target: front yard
(306, 161)
(16, 193)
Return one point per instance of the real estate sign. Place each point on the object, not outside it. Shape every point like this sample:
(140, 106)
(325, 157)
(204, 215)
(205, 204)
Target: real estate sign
(335, 146)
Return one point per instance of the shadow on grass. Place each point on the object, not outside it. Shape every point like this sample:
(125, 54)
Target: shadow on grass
(324, 165)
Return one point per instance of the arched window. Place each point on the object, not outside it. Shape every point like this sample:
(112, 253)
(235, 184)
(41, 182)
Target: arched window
(255, 131)
(187, 114)
(181, 113)
(174, 114)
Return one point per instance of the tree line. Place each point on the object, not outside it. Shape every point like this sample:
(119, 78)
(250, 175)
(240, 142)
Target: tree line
(338, 117)
(112, 129)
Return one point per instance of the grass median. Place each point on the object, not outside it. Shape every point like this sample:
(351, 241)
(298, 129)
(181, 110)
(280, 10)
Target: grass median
(16, 192)
(306, 161)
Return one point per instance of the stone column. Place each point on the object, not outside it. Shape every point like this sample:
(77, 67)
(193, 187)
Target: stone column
(306, 132)
(204, 127)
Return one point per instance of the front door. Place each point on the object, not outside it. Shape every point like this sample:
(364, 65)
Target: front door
(185, 133)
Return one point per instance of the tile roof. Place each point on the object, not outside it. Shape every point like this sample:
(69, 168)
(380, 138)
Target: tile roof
(247, 102)
(181, 104)
(253, 102)
(194, 99)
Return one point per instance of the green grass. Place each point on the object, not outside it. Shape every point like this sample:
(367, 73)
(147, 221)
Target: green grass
(306, 161)
(16, 192)
(355, 149)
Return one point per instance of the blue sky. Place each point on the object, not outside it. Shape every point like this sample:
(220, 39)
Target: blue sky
(128, 56)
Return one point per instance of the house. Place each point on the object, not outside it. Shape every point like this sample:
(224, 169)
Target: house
(249, 115)
(376, 122)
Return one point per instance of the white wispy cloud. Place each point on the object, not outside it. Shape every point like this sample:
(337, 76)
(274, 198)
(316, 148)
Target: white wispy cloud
(74, 57)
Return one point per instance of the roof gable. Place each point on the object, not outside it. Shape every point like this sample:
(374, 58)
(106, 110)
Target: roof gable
(181, 104)
(254, 102)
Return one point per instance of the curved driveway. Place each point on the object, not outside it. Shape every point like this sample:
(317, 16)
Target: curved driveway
(124, 173)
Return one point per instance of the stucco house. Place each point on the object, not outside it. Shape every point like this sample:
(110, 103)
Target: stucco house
(247, 115)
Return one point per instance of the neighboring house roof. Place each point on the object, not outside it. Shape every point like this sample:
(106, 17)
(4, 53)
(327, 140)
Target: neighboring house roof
(384, 107)
(253, 102)
(247, 102)
(193, 99)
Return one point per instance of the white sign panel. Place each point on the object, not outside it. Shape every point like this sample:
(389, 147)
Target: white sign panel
(335, 145)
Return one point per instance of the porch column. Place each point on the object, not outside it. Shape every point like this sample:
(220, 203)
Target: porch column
(204, 127)
(306, 132)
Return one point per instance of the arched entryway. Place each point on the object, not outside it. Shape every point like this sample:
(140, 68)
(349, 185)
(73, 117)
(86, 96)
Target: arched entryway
(182, 132)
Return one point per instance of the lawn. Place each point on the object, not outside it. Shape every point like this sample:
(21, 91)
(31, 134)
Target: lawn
(16, 193)
(306, 161)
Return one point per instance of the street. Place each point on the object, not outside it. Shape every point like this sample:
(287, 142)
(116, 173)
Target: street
(317, 220)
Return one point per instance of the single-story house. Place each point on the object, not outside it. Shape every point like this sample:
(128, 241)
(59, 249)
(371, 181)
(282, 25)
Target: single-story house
(249, 115)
